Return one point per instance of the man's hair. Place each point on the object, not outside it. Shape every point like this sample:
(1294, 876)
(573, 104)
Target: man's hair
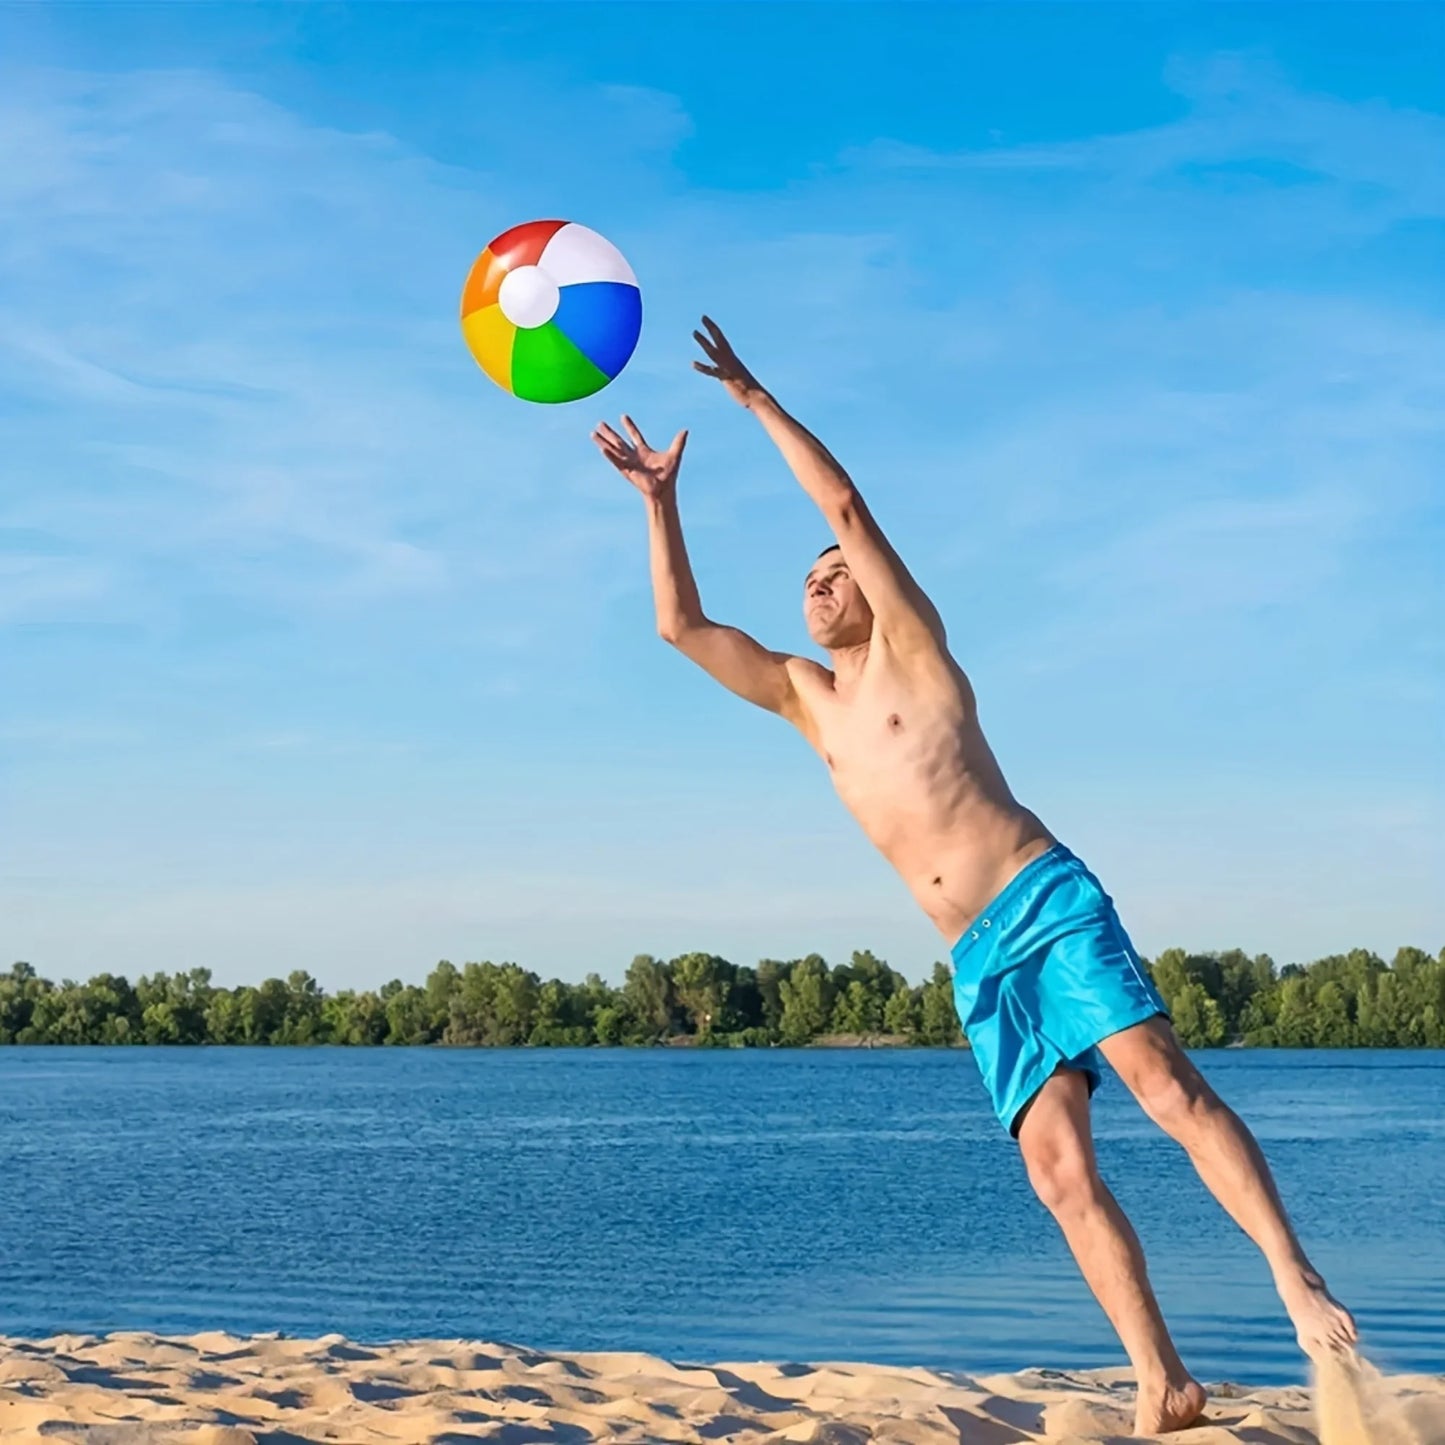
(835, 547)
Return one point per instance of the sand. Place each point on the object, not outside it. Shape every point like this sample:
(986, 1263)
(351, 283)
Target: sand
(219, 1389)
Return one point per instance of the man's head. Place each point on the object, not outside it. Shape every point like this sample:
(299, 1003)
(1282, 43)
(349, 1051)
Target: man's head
(837, 613)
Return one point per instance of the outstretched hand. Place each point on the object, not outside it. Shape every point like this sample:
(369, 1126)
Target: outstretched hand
(723, 364)
(653, 473)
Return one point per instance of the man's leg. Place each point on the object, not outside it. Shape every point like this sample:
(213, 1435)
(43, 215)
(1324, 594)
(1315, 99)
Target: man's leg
(1058, 1149)
(1176, 1096)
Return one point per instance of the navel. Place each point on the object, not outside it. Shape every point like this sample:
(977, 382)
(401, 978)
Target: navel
(894, 721)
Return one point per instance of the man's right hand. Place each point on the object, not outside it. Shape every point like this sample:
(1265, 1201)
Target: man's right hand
(654, 474)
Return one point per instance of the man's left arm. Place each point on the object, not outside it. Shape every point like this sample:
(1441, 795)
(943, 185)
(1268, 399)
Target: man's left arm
(899, 604)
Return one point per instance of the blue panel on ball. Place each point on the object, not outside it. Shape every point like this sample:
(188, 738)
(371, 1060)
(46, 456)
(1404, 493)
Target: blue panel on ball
(603, 320)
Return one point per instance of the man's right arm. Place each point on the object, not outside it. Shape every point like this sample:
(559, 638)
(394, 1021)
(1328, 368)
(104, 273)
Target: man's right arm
(741, 663)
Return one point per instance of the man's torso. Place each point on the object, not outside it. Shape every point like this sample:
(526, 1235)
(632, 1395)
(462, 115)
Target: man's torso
(908, 759)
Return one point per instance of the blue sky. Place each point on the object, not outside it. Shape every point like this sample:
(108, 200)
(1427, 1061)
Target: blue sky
(316, 650)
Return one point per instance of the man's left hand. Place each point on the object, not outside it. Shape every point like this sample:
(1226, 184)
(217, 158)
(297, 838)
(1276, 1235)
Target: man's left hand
(723, 365)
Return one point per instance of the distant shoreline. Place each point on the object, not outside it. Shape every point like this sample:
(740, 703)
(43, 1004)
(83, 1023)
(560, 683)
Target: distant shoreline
(701, 1000)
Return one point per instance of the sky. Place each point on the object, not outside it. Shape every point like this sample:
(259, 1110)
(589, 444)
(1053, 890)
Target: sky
(319, 651)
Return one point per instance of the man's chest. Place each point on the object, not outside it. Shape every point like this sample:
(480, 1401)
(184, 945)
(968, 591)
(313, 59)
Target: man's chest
(884, 734)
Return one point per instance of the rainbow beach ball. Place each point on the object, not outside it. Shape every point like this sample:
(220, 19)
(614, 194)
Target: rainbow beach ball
(551, 311)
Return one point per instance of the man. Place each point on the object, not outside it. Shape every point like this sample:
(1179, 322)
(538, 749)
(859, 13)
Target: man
(1045, 978)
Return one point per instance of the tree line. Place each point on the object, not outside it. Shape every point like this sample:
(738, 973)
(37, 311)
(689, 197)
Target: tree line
(1343, 1001)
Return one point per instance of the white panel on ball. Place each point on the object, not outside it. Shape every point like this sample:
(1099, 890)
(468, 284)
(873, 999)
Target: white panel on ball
(576, 255)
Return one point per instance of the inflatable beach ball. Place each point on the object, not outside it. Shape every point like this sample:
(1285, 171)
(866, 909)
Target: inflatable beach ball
(551, 311)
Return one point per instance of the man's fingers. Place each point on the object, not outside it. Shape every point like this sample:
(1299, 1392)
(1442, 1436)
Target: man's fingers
(707, 370)
(614, 450)
(605, 432)
(706, 345)
(633, 432)
(719, 341)
(679, 443)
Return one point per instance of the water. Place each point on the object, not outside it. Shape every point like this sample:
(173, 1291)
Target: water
(703, 1205)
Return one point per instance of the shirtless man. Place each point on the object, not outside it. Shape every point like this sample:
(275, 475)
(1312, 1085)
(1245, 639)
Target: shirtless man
(1045, 978)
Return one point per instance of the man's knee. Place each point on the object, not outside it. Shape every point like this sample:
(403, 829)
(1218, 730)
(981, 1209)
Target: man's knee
(1062, 1175)
(1173, 1093)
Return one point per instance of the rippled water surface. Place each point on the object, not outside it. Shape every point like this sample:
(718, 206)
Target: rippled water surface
(704, 1205)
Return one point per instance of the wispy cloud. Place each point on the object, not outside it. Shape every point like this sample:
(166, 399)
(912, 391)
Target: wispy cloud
(43, 587)
(1245, 128)
(253, 315)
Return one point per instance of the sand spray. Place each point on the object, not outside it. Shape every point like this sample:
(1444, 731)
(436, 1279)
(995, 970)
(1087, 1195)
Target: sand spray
(1356, 1405)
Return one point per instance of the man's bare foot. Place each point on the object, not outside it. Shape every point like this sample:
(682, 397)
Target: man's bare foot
(1321, 1322)
(1176, 1407)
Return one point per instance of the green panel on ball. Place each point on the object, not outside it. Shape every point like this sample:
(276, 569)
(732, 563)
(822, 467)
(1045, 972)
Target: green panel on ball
(547, 367)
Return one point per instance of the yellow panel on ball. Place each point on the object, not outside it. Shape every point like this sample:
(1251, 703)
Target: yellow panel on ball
(490, 337)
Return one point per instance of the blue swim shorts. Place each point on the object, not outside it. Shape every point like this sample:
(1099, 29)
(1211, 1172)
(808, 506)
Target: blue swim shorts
(1044, 974)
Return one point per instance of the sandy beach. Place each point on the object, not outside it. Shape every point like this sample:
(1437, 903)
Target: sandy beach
(219, 1389)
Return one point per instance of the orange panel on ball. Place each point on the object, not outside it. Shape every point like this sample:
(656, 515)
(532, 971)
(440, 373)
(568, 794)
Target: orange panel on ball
(484, 281)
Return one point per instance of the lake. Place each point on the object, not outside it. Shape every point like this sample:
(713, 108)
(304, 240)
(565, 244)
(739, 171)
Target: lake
(719, 1205)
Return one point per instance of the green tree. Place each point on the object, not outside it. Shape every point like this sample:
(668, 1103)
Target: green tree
(1332, 1026)
(224, 1022)
(1294, 1025)
(408, 1015)
(863, 988)
(301, 1011)
(59, 1017)
(556, 1023)
(743, 1009)
(858, 1011)
(491, 1004)
(937, 1012)
(19, 990)
(354, 1018)
(1242, 979)
(1256, 1023)
(1174, 971)
(648, 996)
(701, 982)
(263, 1011)
(901, 1013)
(443, 984)
(1198, 1020)
(612, 1024)
(518, 995)
(807, 997)
(771, 974)
(592, 997)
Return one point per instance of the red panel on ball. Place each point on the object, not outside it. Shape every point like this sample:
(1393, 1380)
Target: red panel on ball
(521, 246)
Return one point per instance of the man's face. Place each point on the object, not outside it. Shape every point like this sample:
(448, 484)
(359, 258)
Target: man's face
(835, 610)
